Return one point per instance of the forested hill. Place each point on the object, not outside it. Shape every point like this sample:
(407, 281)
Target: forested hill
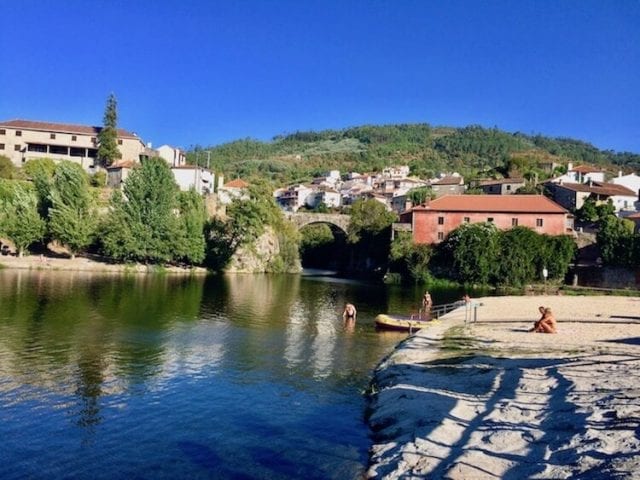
(473, 151)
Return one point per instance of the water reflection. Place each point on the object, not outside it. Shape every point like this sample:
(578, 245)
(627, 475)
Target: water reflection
(95, 366)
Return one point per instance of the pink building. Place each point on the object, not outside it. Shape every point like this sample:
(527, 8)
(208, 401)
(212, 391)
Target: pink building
(431, 223)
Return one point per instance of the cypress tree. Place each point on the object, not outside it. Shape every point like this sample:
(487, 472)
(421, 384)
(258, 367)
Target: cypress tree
(108, 137)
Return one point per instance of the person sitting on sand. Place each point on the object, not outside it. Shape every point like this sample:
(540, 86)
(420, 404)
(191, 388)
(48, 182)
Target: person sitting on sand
(547, 323)
(350, 312)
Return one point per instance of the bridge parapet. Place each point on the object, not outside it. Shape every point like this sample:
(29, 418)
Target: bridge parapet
(302, 219)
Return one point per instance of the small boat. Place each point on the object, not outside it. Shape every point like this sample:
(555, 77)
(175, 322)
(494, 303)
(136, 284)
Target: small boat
(405, 323)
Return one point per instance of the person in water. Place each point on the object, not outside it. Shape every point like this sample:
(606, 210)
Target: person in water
(350, 312)
(547, 322)
(426, 302)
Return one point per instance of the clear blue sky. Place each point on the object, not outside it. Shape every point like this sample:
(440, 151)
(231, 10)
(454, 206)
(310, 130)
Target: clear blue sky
(203, 72)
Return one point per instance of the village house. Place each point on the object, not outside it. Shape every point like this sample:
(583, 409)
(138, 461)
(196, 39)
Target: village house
(292, 198)
(431, 223)
(118, 172)
(194, 177)
(631, 181)
(448, 185)
(23, 140)
(173, 156)
(573, 195)
(330, 197)
(235, 189)
(502, 186)
(580, 174)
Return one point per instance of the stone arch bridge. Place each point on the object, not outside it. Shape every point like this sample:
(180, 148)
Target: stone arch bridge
(303, 219)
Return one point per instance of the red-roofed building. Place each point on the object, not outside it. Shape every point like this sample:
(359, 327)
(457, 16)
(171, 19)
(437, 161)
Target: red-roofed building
(431, 223)
(234, 189)
(23, 140)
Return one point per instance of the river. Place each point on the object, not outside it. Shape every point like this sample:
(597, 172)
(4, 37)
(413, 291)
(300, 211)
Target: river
(150, 376)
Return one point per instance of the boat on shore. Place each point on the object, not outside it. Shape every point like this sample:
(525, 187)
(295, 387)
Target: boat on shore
(403, 323)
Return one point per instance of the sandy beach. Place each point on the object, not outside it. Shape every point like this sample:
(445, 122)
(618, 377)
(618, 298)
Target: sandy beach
(487, 399)
(88, 264)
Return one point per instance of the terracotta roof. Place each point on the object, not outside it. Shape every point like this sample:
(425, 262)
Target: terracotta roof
(123, 164)
(586, 169)
(501, 181)
(61, 128)
(237, 183)
(449, 180)
(633, 216)
(493, 203)
(599, 188)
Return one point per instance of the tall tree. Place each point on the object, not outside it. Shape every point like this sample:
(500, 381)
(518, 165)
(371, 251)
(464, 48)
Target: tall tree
(191, 244)
(71, 216)
(143, 225)
(108, 137)
(19, 218)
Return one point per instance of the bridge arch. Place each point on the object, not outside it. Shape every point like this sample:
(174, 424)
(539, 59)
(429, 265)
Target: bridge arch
(338, 220)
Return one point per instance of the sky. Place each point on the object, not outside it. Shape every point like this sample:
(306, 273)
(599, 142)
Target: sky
(200, 72)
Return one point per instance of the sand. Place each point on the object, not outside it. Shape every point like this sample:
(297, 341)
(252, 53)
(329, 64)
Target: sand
(466, 400)
(87, 263)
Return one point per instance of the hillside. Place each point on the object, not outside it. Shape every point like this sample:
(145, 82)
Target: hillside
(473, 151)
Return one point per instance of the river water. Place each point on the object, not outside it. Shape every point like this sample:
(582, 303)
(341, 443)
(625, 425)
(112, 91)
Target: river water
(225, 377)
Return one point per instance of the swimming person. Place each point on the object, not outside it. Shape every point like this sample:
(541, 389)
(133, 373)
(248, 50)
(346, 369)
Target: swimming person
(350, 312)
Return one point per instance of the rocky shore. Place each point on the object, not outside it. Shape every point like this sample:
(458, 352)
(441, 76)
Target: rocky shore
(487, 399)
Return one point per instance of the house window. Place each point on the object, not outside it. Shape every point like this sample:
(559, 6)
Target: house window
(508, 187)
(440, 220)
(74, 138)
(3, 131)
(467, 220)
(514, 222)
(440, 235)
(490, 219)
(58, 150)
(538, 222)
(94, 139)
(1, 146)
(17, 148)
(36, 147)
(52, 136)
(119, 142)
(18, 133)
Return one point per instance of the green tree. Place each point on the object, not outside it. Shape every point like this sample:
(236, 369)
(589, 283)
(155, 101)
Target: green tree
(420, 195)
(368, 216)
(191, 244)
(7, 168)
(410, 259)
(470, 252)
(71, 216)
(37, 166)
(142, 225)
(518, 256)
(556, 255)
(615, 238)
(19, 218)
(108, 136)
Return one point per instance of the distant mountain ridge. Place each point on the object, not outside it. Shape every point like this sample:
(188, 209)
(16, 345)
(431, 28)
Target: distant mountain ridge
(474, 151)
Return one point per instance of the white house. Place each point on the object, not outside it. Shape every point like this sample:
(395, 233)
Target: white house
(328, 196)
(191, 176)
(173, 156)
(580, 174)
(292, 198)
(235, 189)
(631, 181)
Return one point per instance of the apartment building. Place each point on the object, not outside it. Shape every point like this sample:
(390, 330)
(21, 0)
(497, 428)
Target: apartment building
(22, 140)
